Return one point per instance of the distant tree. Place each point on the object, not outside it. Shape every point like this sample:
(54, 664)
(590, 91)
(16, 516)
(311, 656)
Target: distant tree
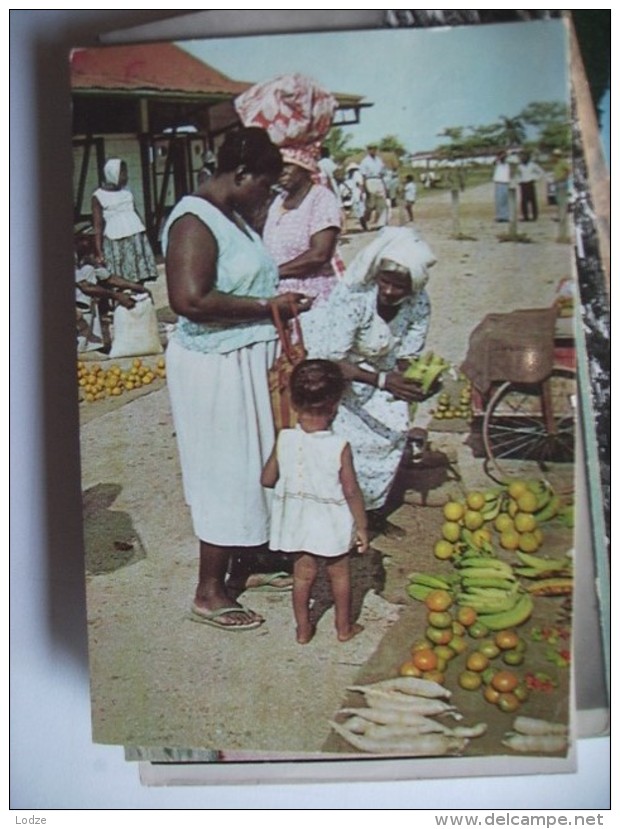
(338, 143)
(512, 131)
(391, 144)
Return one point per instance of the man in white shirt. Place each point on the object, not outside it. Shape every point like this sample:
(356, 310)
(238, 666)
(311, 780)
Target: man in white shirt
(528, 174)
(373, 169)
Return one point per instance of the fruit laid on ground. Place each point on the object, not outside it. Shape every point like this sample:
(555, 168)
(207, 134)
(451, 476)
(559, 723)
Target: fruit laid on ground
(508, 702)
(528, 542)
(504, 681)
(503, 522)
(425, 660)
(470, 680)
(514, 617)
(524, 522)
(489, 649)
(453, 511)
(478, 630)
(513, 657)
(557, 586)
(466, 615)
(491, 694)
(439, 619)
(451, 531)
(444, 652)
(96, 382)
(506, 639)
(443, 549)
(527, 502)
(408, 668)
(509, 540)
(473, 519)
(477, 662)
(439, 636)
(475, 500)
(458, 644)
(438, 600)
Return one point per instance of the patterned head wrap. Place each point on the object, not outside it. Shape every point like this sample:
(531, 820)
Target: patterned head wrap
(401, 247)
(295, 111)
(112, 171)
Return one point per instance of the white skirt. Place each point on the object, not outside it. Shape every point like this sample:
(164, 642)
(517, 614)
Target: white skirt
(224, 427)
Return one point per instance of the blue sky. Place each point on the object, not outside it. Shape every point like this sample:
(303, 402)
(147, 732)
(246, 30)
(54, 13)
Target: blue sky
(419, 81)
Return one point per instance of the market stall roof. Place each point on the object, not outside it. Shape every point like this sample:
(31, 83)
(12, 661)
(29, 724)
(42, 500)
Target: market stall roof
(161, 70)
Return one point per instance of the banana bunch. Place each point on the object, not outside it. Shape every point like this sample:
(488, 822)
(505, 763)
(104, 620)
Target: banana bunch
(566, 515)
(492, 589)
(550, 576)
(495, 500)
(426, 369)
(421, 584)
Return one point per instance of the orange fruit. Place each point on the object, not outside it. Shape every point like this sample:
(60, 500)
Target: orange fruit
(513, 657)
(508, 702)
(517, 488)
(473, 519)
(438, 600)
(444, 653)
(439, 636)
(524, 522)
(489, 649)
(488, 675)
(509, 540)
(443, 550)
(475, 500)
(528, 543)
(491, 695)
(466, 616)
(434, 676)
(439, 619)
(458, 629)
(477, 662)
(470, 680)
(506, 639)
(478, 630)
(453, 511)
(451, 531)
(409, 669)
(503, 522)
(458, 644)
(527, 502)
(425, 660)
(505, 681)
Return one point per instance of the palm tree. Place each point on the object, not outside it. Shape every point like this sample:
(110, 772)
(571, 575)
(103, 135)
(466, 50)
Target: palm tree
(512, 131)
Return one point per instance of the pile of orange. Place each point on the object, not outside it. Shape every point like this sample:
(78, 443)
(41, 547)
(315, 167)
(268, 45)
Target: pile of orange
(98, 383)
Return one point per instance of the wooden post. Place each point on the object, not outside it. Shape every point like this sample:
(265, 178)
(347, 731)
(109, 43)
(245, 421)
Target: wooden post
(456, 225)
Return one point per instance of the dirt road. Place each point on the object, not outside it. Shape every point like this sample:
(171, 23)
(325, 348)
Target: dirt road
(159, 680)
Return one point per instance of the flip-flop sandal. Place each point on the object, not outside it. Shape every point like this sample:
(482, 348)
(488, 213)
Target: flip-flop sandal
(213, 617)
(267, 582)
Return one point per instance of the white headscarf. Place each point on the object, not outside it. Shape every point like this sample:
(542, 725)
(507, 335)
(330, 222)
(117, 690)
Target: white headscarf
(402, 245)
(112, 171)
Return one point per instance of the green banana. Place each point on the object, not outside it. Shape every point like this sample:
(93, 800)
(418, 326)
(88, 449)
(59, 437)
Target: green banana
(419, 591)
(488, 573)
(493, 508)
(491, 605)
(512, 618)
(544, 565)
(550, 510)
(429, 580)
(497, 582)
(566, 515)
(484, 562)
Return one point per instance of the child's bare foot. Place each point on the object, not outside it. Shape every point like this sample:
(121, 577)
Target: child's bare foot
(353, 631)
(305, 634)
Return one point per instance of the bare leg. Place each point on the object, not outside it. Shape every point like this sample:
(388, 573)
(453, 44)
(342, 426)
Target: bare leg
(339, 574)
(211, 591)
(304, 575)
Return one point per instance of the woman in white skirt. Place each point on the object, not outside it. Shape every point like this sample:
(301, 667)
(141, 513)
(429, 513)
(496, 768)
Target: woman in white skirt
(221, 283)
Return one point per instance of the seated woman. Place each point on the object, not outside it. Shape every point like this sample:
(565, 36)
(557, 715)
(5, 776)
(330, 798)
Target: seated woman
(302, 228)
(375, 320)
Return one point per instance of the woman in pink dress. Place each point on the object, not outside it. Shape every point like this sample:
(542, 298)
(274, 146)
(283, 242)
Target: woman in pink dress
(302, 228)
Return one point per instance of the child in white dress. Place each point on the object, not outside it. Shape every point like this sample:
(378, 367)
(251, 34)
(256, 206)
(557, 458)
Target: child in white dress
(318, 509)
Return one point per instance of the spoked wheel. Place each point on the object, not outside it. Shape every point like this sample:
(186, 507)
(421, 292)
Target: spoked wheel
(530, 429)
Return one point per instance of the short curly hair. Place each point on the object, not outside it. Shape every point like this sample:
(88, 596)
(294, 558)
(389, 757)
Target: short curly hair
(316, 386)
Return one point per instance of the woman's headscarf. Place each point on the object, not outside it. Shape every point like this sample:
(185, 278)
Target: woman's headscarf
(401, 245)
(112, 171)
(296, 112)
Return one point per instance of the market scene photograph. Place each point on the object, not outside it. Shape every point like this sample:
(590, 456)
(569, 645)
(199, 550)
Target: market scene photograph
(325, 309)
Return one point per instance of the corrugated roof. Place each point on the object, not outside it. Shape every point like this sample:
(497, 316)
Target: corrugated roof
(149, 67)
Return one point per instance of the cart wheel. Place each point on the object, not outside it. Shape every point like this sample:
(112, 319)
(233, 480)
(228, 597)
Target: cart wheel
(533, 426)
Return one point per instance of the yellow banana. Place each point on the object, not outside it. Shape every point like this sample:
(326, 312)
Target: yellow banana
(512, 618)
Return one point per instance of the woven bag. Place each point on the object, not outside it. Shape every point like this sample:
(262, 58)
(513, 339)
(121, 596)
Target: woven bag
(292, 351)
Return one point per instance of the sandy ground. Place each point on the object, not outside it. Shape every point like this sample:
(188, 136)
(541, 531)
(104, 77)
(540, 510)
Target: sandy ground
(160, 680)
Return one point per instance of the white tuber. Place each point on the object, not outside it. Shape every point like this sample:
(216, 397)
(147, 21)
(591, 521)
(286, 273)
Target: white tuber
(414, 745)
(412, 686)
(533, 727)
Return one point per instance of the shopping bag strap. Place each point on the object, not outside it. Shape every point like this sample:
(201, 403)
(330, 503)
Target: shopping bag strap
(284, 331)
